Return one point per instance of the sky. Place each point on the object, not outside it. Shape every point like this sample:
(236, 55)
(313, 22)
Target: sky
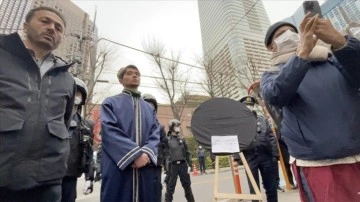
(175, 23)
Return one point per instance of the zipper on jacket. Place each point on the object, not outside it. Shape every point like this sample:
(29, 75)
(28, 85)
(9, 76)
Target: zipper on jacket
(48, 91)
(39, 87)
(30, 88)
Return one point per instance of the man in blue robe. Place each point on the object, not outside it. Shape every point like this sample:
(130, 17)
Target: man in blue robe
(130, 135)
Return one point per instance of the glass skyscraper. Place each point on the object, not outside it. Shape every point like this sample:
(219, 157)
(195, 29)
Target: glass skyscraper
(339, 12)
(12, 15)
(233, 38)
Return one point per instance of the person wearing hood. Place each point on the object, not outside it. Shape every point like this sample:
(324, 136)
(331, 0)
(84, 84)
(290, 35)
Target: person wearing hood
(80, 160)
(317, 89)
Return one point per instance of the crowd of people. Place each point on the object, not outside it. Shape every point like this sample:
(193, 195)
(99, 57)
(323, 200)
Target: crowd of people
(311, 94)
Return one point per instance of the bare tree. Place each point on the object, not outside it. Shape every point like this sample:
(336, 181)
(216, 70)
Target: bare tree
(101, 57)
(219, 80)
(248, 72)
(173, 81)
(209, 82)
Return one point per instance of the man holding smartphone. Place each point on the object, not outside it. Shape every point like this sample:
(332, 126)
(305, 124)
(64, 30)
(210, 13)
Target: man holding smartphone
(318, 91)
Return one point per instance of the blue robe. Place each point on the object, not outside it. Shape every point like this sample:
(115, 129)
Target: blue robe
(129, 128)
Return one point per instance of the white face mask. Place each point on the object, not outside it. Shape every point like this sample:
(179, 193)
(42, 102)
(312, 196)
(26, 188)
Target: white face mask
(177, 129)
(287, 40)
(78, 100)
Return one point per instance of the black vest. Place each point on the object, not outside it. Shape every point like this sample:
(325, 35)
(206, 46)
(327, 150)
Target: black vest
(177, 148)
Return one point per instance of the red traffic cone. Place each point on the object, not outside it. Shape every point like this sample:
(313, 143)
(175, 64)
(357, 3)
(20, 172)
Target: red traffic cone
(195, 172)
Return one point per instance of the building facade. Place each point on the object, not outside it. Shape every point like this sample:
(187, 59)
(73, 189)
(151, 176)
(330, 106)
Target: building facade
(341, 13)
(80, 30)
(233, 39)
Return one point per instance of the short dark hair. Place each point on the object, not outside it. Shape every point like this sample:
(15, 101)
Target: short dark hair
(32, 12)
(122, 71)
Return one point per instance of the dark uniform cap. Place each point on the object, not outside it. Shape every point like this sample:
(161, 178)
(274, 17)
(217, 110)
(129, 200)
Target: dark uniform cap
(272, 29)
(248, 100)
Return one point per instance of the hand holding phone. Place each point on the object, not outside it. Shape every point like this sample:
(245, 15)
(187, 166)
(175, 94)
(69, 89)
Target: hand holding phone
(313, 7)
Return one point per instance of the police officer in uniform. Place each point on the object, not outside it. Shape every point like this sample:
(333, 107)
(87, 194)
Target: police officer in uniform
(162, 147)
(262, 154)
(178, 163)
(81, 153)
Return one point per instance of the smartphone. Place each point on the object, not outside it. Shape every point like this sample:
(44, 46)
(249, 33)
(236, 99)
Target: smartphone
(313, 7)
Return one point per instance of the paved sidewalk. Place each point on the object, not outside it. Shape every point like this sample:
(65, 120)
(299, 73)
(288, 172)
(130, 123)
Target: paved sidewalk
(287, 196)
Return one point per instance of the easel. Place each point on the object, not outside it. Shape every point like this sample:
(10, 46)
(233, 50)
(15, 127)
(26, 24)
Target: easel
(217, 195)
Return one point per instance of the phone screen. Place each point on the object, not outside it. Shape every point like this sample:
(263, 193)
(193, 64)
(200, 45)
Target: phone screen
(313, 7)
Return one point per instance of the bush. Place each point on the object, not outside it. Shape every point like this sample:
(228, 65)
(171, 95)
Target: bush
(192, 145)
(223, 162)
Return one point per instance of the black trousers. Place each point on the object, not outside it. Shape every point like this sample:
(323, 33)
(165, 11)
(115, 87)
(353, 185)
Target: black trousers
(262, 161)
(179, 168)
(48, 193)
(68, 189)
(202, 164)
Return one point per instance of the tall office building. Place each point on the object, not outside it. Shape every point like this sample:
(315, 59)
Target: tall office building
(80, 30)
(12, 15)
(233, 39)
(340, 12)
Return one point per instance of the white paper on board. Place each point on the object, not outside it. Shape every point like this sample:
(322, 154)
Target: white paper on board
(225, 144)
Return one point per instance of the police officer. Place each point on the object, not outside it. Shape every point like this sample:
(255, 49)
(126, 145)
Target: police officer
(262, 154)
(178, 162)
(81, 153)
(162, 147)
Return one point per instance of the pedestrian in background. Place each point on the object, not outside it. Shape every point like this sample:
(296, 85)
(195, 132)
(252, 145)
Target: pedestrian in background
(202, 157)
(317, 89)
(129, 139)
(37, 98)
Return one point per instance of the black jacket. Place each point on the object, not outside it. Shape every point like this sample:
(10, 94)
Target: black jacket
(163, 147)
(264, 138)
(34, 114)
(81, 153)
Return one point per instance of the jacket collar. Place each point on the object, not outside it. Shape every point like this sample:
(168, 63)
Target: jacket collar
(131, 93)
(13, 44)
